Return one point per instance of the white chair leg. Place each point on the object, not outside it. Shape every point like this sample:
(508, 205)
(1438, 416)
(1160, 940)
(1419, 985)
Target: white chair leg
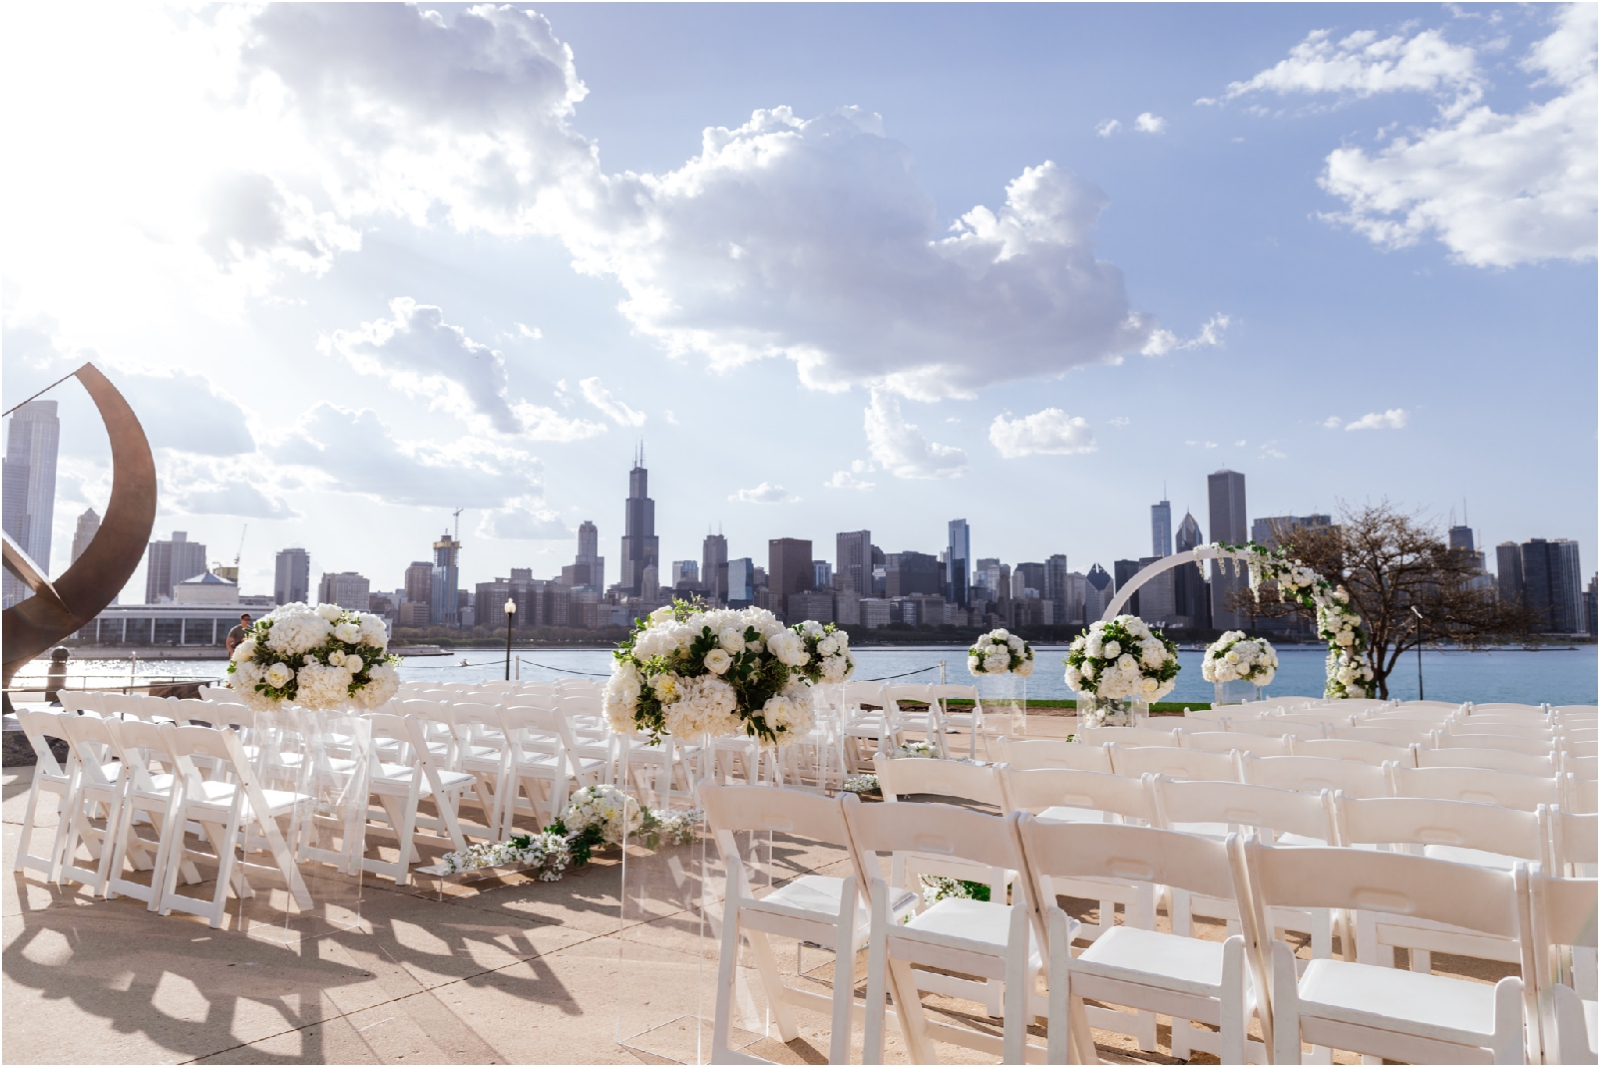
(1285, 1006)
(877, 967)
(844, 975)
(727, 968)
(1015, 1032)
(1058, 1027)
(1234, 1023)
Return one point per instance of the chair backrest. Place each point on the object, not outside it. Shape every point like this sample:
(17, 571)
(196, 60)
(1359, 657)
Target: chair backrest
(92, 745)
(1487, 759)
(1128, 735)
(1232, 741)
(1584, 767)
(1569, 839)
(937, 777)
(927, 829)
(1309, 774)
(732, 809)
(74, 701)
(1131, 798)
(906, 692)
(1382, 735)
(1531, 746)
(1180, 804)
(141, 746)
(1580, 795)
(1420, 822)
(1185, 763)
(1582, 749)
(1032, 755)
(39, 727)
(1278, 726)
(222, 746)
(1360, 751)
(1122, 853)
(1521, 791)
(190, 710)
(220, 694)
(1522, 731)
(1531, 709)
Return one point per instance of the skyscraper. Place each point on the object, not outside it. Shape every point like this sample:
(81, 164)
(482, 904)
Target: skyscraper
(29, 479)
(958, 562)
(1125, 569)
(1508, 562)
(1161, 529)
(446, 580)
(347, 589)
(1228, 525)
(1056, 587)
(1191, 598)
(588, 569)
(169, 562)
(1274, 531)
(1553, 584)
(640, 546)
(741, 582)
(1098, 596)
(789, 567)
(292, 581)
(88, 526)
(853, 560)
(714, 567)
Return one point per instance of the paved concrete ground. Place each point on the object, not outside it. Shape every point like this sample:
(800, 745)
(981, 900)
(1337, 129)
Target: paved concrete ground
(510, 970)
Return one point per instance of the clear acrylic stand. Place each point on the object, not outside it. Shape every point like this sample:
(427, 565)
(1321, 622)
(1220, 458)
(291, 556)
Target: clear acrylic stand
(1005, 696)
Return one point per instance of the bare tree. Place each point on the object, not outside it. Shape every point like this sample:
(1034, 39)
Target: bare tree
(1392, 562)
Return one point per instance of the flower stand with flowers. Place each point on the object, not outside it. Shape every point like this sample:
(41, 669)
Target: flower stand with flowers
(321, 657)
(1238, 667)
(1119, 668)
(1001, 662)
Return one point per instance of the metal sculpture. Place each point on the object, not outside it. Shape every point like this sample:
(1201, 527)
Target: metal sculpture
(66, 605)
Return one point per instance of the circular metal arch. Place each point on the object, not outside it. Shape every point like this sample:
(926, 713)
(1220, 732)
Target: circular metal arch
(1167, 563)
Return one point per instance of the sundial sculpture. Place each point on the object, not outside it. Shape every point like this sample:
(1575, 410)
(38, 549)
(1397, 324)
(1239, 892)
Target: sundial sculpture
(64, 606)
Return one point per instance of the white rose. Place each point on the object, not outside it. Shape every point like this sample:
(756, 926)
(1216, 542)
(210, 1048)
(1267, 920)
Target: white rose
(279, 675)
(997, 662)
(828, 646)
(1088, 669)
(718, 661)
(245, 650)
(348, 632)
(330, 612)
(974, 665)
(1026, 669)
(1113, 649)
(1126, 662)
(1345, 637)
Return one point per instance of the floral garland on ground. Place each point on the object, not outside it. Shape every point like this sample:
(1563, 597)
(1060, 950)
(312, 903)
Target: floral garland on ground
(598, 816)
(1122, 659)
(1337, 623)
(690, 673)
(1000, 652)
(321, 657)
(1233, 657)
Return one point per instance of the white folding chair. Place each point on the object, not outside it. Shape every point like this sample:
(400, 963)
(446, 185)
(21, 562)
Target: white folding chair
(151, 784)
(1357, 751)
(971, 719)
(97, 797)
(1233, 741)
(1312, 774)
(1383, 736)
(1571, 842)
(1127, 736)
(544, 759)
(1528, 746)
(400, 779)
(1185, 764)
(984, 939)
(1370, 1009)
(1184, 977)
(1487, 759)
(1068, 755)
(1565, 1012)
(51, 777)
(1521, 791)
(1278, 726)
(811, 908)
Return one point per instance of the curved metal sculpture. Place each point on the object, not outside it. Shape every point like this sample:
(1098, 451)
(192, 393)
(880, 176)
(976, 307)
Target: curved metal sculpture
(63, 607)
(1167, 563)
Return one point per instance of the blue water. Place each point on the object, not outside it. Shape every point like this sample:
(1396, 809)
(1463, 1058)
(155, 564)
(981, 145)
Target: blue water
(1557, 676)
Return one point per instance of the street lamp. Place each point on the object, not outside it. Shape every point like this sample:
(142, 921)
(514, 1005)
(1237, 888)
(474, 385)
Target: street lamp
(511, 611)
(1418, 614)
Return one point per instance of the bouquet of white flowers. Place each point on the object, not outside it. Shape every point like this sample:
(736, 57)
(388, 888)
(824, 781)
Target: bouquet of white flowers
(1233, 657)
(1122, 660)
(321, 657)
(1000, 652)
(689, 672)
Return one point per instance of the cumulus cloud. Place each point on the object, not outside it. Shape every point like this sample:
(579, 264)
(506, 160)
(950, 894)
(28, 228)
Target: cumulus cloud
(765, 493)
(355, 452)
(1363, 64)
(1050, 432)
(1393, 419)
(256, 224)
(899, 447)
(1148, 123)
(240, 498)
(1210, 336)
(851, 479)
(524, 520)
(1107, 128)
(599, 396)
(1332, 422)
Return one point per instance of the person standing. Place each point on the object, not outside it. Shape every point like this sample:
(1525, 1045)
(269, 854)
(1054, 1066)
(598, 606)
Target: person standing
(238, 634)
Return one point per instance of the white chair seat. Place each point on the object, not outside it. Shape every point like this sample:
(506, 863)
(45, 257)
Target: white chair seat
(1445, 1009)
(1066, 814)
(396, 779)
(219, 796)
(820, 893)
(1476, 857)
(982, 921)
(1187, 964)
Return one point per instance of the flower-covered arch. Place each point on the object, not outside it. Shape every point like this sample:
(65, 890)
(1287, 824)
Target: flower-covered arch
(1337, 623)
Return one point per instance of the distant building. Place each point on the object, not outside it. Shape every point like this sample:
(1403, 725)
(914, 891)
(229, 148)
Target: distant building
(789, 568)
(907, 573)
(741, 583)
(1031, 576)
(958, 562)
(1157, 602)
(813, 604)
(641, 547)
(1191, 594)
(1161, 529)
(347, 589)
(443, 609)
(685, 570)
(853, 561)
(88, 526)
(1099, 594)
(588, 568)
(1229, 525)
(28, 507)
(1591, 602)
(714, 567)
(169, 562)
(1552, 584)
(847, 607)
(292, 582)
(875, 613)
(205, 588)
(1508, 562)
(419, 586)
(1057, 591)
(1124, 570)
(1278, 530)
(986, 574)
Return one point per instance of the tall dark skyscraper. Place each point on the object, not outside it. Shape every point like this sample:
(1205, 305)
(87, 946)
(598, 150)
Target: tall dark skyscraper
(1553, 584)
(853, 560)
(1161, 529)
(1229, 524)
(1508, 562)
(958, 564)
(640, 546)
(1190, 597)
(714, 567)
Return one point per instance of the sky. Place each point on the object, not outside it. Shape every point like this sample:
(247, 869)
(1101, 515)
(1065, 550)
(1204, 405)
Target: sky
(837, 267)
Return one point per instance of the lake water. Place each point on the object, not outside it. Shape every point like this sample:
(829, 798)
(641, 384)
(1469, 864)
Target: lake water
(1556, 676)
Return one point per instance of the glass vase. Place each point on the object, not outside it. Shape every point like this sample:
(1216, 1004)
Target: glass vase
(1235, 692)
(1094, 710)
(1005, 696)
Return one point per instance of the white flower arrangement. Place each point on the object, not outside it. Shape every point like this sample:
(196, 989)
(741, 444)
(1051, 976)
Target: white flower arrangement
(689, 673)
(914, 750)
(862, 784)
(1000, 652)
(1122, 659)
(322, 657)
(1338, 624)
(612, 813)
(1233, 657)
(545, 851)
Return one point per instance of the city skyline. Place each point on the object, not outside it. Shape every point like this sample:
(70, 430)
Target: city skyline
(396, 347)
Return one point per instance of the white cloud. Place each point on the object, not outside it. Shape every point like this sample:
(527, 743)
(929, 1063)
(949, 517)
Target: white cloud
(1362, 64)
(1210, 336)
(1120, 421)
(1051, 432)
(851, 479)
(1393, 419)
(531, 333)
(1211, 444)
(899, 447)
(1148, 123)
(1240, 443)
(765, 493)
(1332, 422)
(241, 498)
(525, 520)
(599, 396)
(1107, 128)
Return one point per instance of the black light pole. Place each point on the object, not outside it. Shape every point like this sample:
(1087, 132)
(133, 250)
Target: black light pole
(1418, 614)
(511, 614)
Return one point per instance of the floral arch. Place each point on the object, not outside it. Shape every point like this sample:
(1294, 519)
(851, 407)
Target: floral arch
(1337, 623)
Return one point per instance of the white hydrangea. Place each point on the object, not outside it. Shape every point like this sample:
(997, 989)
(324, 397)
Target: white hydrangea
(604, 806)
(329, 612)
(321, 688)
(381, 689)
(294, 633)
(348, 631)
(789, 714)
(706, 706)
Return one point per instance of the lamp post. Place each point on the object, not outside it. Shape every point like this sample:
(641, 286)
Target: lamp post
(511, 612)
(1418, 614)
